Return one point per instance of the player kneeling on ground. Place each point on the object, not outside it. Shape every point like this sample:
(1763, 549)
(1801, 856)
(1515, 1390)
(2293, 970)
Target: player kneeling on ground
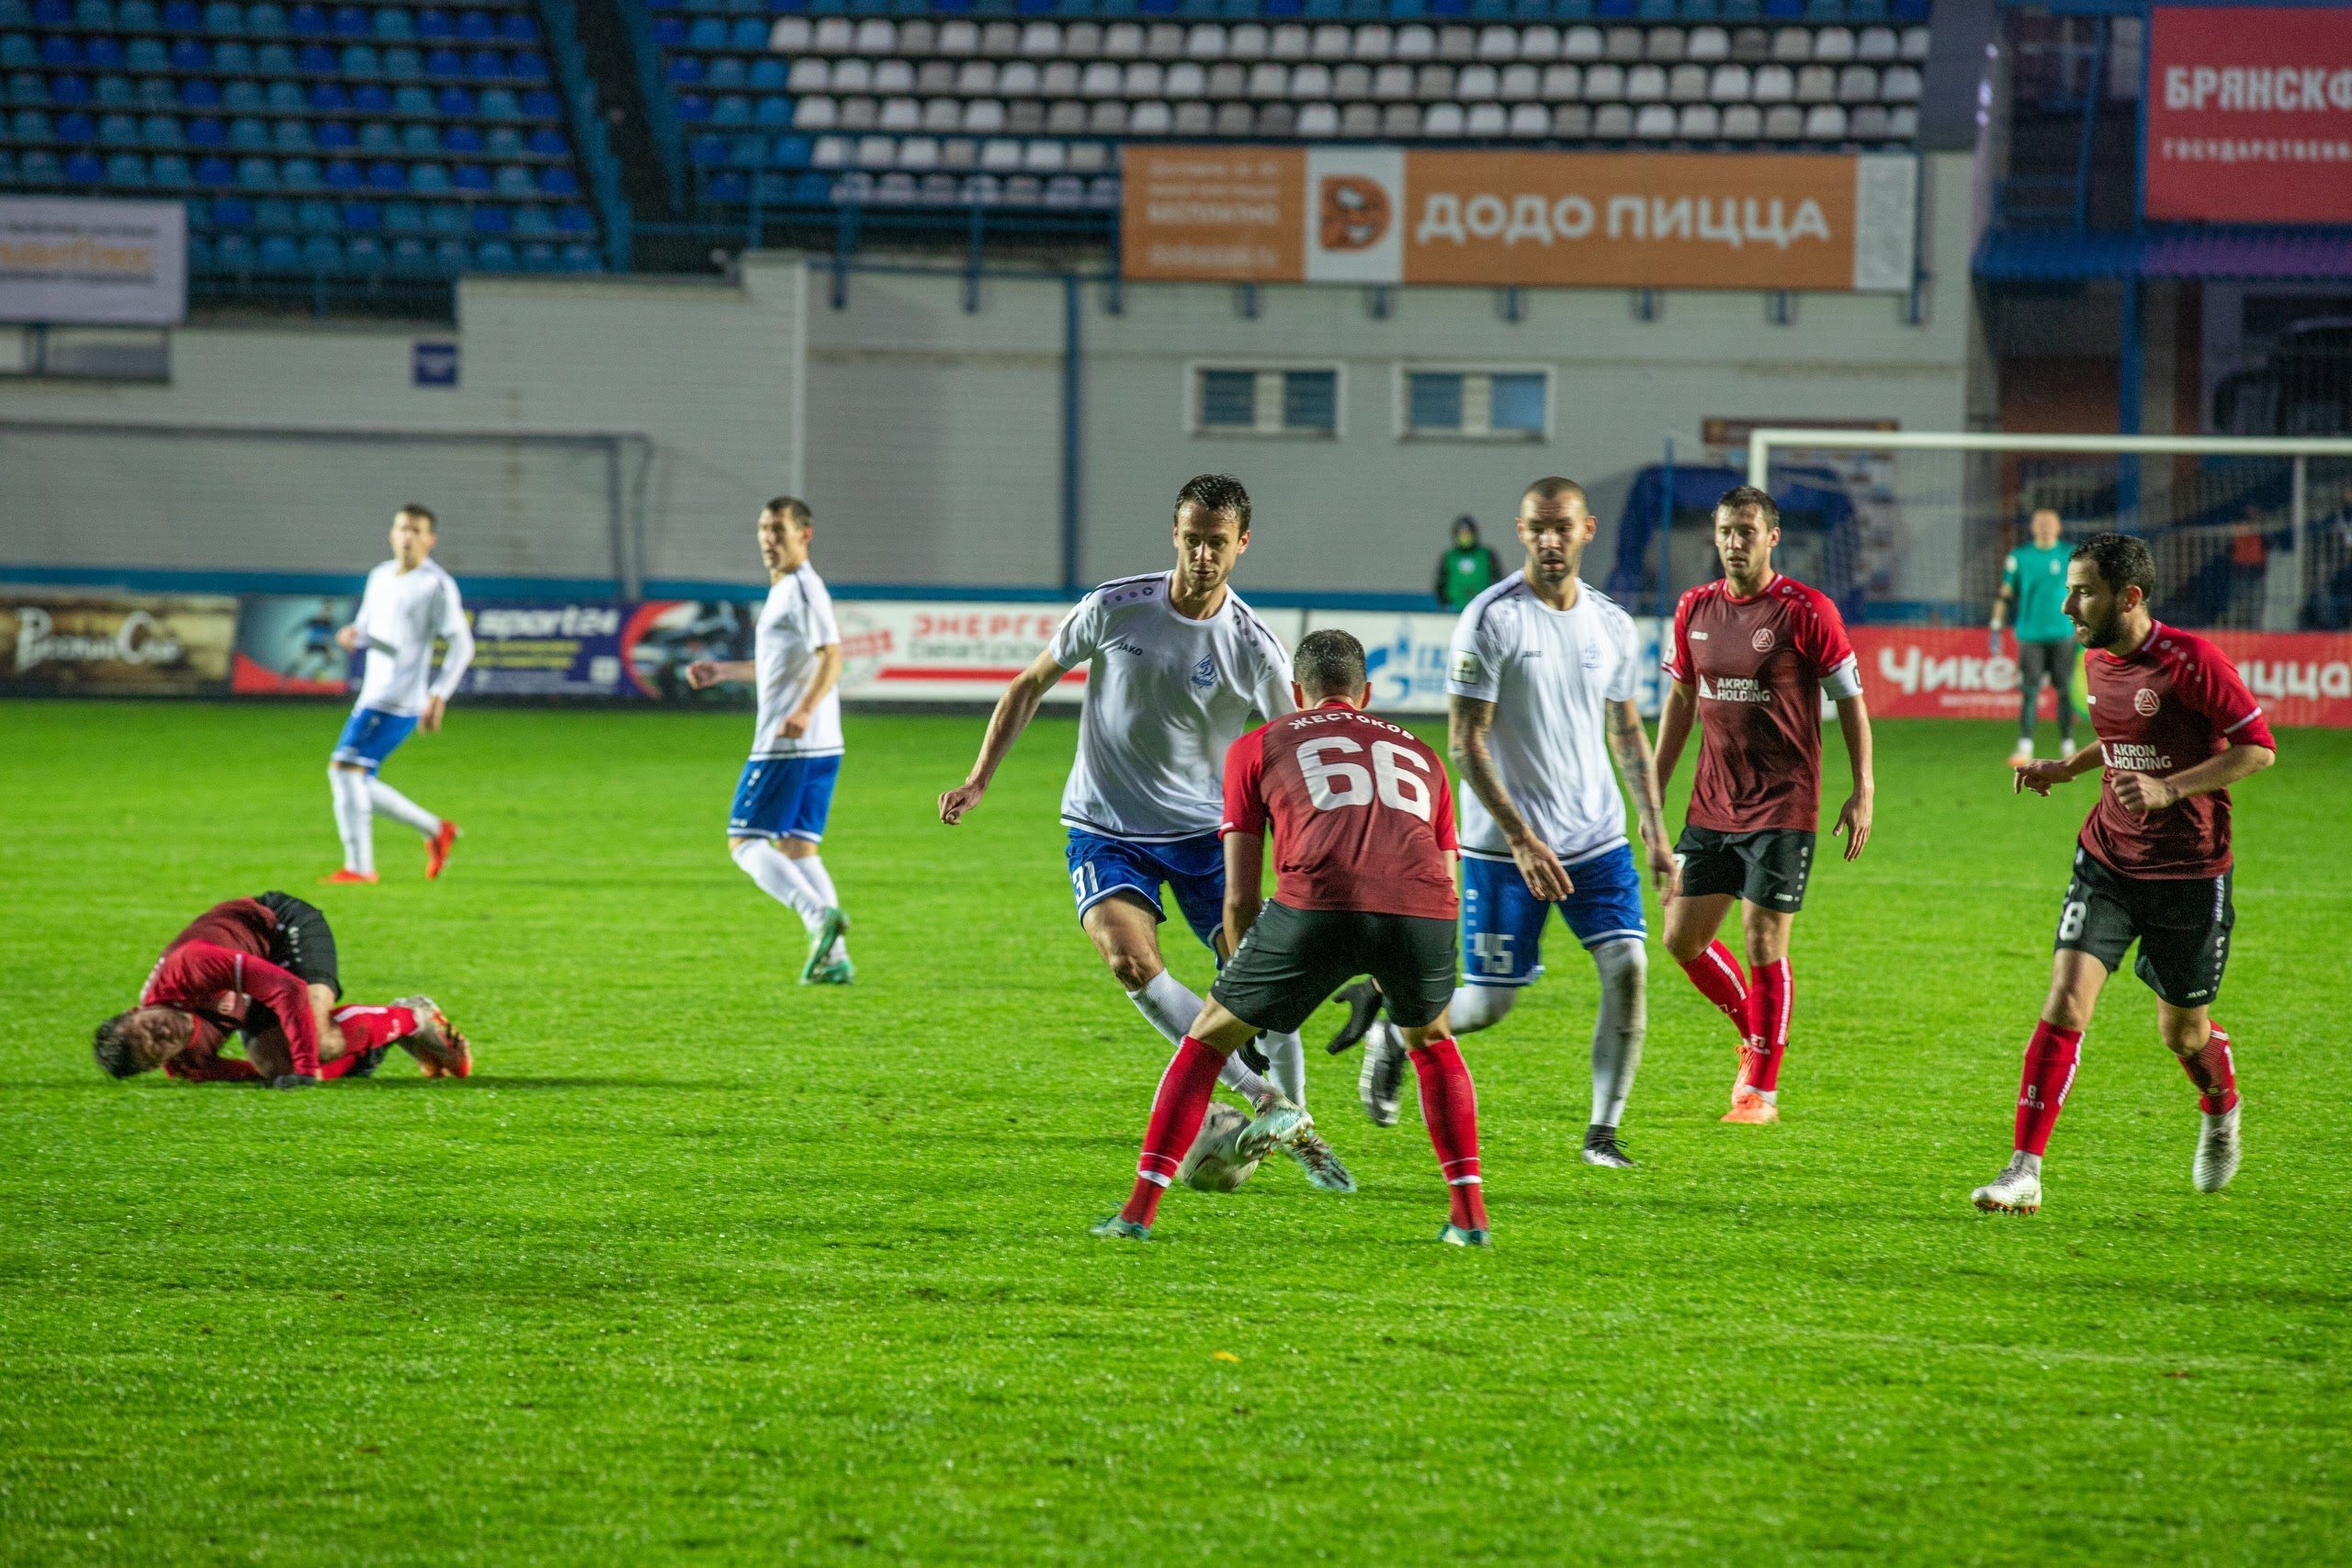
(265, 967)
(1363, 852)
(2175, 728)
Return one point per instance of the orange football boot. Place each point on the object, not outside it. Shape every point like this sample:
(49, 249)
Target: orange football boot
(347, 877)
(1749, 1106)
(436, 851)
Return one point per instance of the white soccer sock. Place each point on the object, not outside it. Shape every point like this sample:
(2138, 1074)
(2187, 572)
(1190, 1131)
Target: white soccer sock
(1170, 1006)
(812, 871)
(1474, 1008)
(1617, 1028)
(386, 801)
(1286, 1064)
(779, 879)
(352, 822)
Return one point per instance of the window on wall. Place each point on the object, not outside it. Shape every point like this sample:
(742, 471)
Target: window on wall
(1483, 405)
(1237, 402)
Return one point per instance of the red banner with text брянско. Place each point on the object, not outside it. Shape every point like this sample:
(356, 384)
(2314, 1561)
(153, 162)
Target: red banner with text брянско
(2250, 114)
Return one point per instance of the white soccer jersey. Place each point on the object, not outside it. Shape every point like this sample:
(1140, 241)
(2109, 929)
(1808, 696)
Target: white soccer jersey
(795, 623)
(1165, 696)
(399, 616)
(1549, 673)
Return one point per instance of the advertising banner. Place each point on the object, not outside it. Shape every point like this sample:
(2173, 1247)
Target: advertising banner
(535, 649)
(2300, 678)
(69, 261)
(1833, 221)
(115, 644)
(286, 646)
(2250, 114)
(1405, 656)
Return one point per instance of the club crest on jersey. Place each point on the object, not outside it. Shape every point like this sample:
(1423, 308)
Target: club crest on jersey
(1204, 673)
(2144, 703)
(1762, 640)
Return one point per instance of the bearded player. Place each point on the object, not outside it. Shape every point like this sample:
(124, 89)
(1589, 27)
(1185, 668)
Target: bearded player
(1752, 654)
(2175, 728)
(1363, 846)
(409, 603)
(265, 967)
(1177, 667)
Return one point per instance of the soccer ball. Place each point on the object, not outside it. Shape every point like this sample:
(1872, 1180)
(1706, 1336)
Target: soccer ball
(1210, 1165)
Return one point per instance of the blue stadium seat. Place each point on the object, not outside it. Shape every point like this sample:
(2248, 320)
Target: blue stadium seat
(386, 175)
(472, 178)
(18, 51)
(494, 255)
(128, 170)
(224, 19)
(160, 131)
(230, 212)
(459, 138)
(444, 62)
(111, 92)
(243, 96)
(706, 150)
(232, 56)
(548, 142)
(455, 101)
(344, 175)
(215, 171)
(1825, 10)
(503, 142)
(692, 108)
(316, 216)
(167, 171)
(445, 218)
(371, 97)
(146, 54)
(428, 178)
(403, 218)
(277, 253)
(400, 62)
(232, 252)
(500, 103)
(1910, 10)
(101, 53)
(336, 136)
(436, 24)
(533, 220)
(352, 21)
(322, 254)
(327, 98)
(527, 65)
(274, 215)
(378, 136)
(118, 130)
(247, 134)
(29, 125)
(582, 258)
(300, 174)
(16, 14)
(686, 69)
(476, 27)
(265, 19)
(772, 112)
(27, 88)
(94, 15)
(733, 109)
(769, 74)
(513, 182)
(360, 60)
(206, 132)
(256, 174)
(412, 102)
(158, 93)
(538, 257)
(392, 25)
(519, 27)
(540, 103)
(182, 16)
(69, 91)
(76, 126)
(362, 215)
(303, 21)
(559, 180)
(283, 97)
(726, 72)
(708, 32)
(361, 254)
(669, 32)
(290, 136)
(60, 51)
(317, 60)
(489, 218)
(189, 54)
(419, 140)
(749, 34)
(574, 221)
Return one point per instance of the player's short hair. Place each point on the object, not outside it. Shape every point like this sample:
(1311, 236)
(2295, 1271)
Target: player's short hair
(2121, 560)
(1329, 663)
(1554, 488)
(112, 1046)
(1739, 498)
(796, 511)
(1217, 493)
(432, 523)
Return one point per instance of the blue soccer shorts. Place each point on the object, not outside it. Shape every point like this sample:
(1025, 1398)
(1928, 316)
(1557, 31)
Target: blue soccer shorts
(1502, 922)
(370, 735)
(1195, 867)
(784, 798)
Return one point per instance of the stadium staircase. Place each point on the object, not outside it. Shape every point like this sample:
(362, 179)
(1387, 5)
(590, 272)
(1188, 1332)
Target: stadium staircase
(328, 144)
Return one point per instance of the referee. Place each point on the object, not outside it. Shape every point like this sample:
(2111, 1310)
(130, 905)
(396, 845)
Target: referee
(2034, 592)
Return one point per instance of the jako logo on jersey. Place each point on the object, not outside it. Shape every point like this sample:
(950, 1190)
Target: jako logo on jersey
(1204, 673)
(1121, 648)
(2144, 703)
(1762, 640)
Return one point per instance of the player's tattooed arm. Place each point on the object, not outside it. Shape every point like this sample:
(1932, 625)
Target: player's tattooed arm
(1630, 744)
(1468, 721)
(1013, 711)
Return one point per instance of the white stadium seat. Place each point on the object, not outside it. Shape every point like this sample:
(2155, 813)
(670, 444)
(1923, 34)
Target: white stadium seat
(1101, 80)
(1752, 45)
(1687, 84)
(1150, 118)
(1441, 120)
(1743, 122)
(1165, 41)
(1416, 42)
(1485, 122)
(943, 115)
(1043, 157)
(1067, 116)
(1867, 123)
(919, 152)
(1194, 119)
(1645, 84)
(1498, 46)
(1433, 83)
(1832, 45)
(894, 76)
(1059, 79)
(999, 155)
(900, 115)
(1731, 83)
(1655, 123)
(1582, 44)
(811, 73)
(1456, 44)
(1348, 82)
(831, 152)
(1604, 81)
(1622, 45)
(959, 153)
(1268, 80)
(1540, 43)
(1311, 81)
(1915, 44)
(790, 35)
(1393, 83)
(1858, 85)
(1817, 85)
(860, 113)
(1317, 122)
(1289, 41)
(1400, 121)
(1017, 79)
(1876, 45)
(1613, 122)
(835, 36)
(1699, 122)
(1774, 84)
(877, 36)
(976, 78)
(1571, 122)
(1083, 41)
(1825, 123)
(1144, 79)
(1331, 42)
(1358, 122)
(1709, 45)
(1277, 121)
(1529, 122)
(815, 111)
(1374, 43)
(878, 151)
(1024, 116)
(853, 75)
(1123, 41)
(1246, 41)
(1783, 122)
(1521, 83)
(1900, 86)
(1664, 45)
(959, 39)
(1000, 41)
(935, 76)
(1563, 83)
(1477, 83)
(1205, 41)
(1792, 46)
(1041, 41)
(1108, 117)
(983, 116)
(1089, 157)
(918, 36)
(1186, 80)
(1902, 122)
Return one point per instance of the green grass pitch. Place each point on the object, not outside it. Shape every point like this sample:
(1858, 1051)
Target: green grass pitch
(705, 1265)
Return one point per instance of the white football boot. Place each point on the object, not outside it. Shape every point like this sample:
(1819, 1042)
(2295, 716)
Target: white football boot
(2218, 1150)
(1383, 1073)
(2017, 1190)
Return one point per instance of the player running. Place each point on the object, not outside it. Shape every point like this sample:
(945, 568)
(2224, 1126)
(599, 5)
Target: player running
(1363, 852)
(265, 967)
(410, 601)
(1177, 667)
(2033, 589)
(1543, 668)
(1751, 655)
(2175, 728)
(785, 794)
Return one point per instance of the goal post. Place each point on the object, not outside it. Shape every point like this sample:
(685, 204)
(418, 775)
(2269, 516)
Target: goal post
(2249, 531)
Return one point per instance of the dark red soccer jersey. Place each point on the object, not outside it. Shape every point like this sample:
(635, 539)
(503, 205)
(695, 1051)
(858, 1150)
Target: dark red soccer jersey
(1758, 665)
(213, 969)
(2170, 704)
(1362, 814)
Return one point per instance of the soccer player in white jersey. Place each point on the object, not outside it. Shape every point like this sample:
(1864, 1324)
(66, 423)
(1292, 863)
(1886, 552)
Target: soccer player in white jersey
(1543, 674)
(787, 792)
(410, 602)
(1178, 668)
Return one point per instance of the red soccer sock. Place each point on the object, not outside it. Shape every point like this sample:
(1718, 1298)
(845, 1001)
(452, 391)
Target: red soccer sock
(1770, 1000)
(364, 1028)
(1177, 1108)
(1716, 973)
(2050, 1060)
(2215, 1075)
(1450, 1106)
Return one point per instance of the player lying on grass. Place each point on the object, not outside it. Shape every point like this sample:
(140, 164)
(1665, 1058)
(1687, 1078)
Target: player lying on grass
(1750, 656)
(2175, 728)
(1364, 850)
(1177, 667)
(264, 968)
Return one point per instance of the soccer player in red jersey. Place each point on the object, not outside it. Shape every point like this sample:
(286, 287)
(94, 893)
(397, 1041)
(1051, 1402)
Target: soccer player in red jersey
(265, 967)
(2175, 728)
(1750, 658)
(1363, 854)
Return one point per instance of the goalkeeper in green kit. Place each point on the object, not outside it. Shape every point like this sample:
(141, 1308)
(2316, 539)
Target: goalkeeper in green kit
(2033, 593)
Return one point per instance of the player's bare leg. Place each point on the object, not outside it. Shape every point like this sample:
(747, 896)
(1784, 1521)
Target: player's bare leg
(2051, 1057)
(1126, 932)
(2203, 1047)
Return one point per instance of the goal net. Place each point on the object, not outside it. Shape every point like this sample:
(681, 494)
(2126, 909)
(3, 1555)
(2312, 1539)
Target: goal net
(2248, 533)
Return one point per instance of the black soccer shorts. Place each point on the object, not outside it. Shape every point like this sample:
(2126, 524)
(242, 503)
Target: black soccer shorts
(1768, 867)
(1291, 959)
(2182, 925)
(304, 945)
